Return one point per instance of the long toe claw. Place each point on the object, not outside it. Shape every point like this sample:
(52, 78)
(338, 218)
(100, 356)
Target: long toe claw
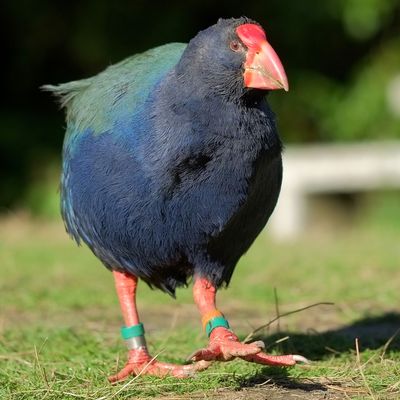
(141, 363)
(224, 345)
(301, 359)
(280, 361)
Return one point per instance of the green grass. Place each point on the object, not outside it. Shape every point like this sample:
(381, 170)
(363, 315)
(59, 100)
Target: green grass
(59, 317)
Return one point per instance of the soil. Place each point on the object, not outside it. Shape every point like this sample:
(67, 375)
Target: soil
(265, 393)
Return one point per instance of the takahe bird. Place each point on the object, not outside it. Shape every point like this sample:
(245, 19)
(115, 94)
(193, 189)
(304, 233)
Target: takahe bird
(171, 168)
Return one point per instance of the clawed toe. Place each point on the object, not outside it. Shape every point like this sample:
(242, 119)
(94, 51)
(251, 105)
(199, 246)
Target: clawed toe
(301, 359)
(276, 360)
(150, 366)
(224, 346)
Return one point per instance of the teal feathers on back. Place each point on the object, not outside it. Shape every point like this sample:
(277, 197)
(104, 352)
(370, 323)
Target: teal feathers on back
(97, 103)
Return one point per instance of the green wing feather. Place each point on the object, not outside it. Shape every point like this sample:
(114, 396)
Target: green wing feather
(97, 103)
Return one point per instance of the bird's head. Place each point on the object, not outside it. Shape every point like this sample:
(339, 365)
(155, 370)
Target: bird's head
(235, 54)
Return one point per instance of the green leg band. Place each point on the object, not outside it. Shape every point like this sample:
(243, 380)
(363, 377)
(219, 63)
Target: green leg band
(134, 336)
(215, 323)
(128, 332)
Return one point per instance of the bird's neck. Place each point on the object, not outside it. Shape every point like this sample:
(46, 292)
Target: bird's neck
(191, 109)
(200, 97)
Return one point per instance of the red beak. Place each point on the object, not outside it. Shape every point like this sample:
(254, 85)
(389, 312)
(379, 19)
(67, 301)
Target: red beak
(263, 68)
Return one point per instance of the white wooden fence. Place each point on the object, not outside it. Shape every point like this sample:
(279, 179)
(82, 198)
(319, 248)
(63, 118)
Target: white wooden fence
(337, 168)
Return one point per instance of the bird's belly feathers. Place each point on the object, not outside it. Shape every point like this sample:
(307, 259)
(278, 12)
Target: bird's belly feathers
(252, 215)
(162, 233)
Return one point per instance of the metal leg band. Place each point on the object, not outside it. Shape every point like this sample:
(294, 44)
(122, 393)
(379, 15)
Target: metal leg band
(135, 342)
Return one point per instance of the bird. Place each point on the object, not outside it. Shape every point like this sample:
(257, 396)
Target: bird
(171, 167)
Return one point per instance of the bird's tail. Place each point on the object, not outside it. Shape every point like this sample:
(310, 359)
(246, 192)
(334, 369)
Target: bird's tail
(66, 92)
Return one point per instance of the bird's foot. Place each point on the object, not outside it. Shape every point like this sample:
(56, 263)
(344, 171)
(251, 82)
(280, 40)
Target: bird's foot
(224, 345)
(141, 363)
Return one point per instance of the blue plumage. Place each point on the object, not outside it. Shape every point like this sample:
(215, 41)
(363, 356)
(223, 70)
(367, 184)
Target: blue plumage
(170, 166)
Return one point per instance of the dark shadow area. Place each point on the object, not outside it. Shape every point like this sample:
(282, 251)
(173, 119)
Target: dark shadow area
(278, 376)
(372, 332)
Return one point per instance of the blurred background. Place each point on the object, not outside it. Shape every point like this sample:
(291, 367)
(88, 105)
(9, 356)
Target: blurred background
(338, 216)
(342, 58)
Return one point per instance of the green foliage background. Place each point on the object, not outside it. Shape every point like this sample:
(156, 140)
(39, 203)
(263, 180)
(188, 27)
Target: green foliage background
(341, 56)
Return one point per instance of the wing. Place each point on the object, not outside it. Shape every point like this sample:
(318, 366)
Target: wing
(102, 104)
(97, 103)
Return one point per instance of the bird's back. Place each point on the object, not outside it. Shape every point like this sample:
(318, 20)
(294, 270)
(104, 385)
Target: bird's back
(96, 104)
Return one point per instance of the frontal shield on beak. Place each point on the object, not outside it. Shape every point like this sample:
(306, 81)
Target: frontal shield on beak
(262, 68)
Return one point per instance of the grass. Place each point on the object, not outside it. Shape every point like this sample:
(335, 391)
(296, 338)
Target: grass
(59, 318)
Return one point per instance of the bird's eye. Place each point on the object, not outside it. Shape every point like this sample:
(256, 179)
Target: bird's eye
(234, 45)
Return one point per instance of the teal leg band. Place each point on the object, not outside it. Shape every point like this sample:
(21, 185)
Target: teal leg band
(128, 332)
(215, 323)
(134, 336)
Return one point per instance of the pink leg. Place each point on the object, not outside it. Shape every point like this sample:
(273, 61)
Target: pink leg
(139, 360)
(223, 344)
